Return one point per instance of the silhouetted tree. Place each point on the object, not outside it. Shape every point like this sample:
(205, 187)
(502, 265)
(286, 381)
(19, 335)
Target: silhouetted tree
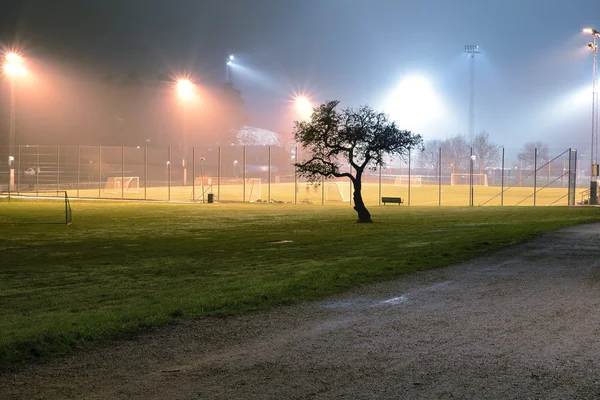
(527, 154)
(361, 137)
(486, 152)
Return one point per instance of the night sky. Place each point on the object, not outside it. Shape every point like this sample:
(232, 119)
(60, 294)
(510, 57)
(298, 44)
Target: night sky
(533, 78)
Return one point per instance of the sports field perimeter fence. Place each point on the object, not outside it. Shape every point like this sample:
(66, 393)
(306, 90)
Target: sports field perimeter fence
(267, 174)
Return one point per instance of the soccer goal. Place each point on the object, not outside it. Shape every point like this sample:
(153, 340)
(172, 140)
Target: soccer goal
(118, 184)
(337, 191)
(253, 190)
(403, 180)
(464, 179)
(52, 207)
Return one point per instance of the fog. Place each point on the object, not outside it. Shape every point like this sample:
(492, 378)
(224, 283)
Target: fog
(104, 73)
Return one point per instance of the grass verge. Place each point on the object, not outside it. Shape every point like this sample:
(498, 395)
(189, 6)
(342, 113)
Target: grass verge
(125, 266)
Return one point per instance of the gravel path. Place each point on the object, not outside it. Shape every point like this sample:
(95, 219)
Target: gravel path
(521, 323)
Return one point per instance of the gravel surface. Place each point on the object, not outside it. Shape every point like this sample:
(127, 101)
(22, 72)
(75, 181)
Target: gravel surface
(522, 323)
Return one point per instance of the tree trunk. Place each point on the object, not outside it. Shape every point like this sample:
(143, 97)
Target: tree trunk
(363, 214)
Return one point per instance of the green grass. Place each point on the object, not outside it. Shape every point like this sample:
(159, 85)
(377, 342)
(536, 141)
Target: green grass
(122, 267)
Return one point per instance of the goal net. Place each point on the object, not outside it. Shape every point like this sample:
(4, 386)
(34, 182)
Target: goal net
(253, 190)
(52, 207)
(337, 191)
(464, 179)
(117, 184)
(403, 180)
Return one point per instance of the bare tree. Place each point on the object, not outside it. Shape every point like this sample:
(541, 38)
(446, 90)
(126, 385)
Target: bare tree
(361, 137)
(527, 154)
(486, 152)
(430, 155)
(456, 152)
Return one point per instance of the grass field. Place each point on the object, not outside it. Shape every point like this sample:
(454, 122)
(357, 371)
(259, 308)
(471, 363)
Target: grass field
(426, 195)
(122, 267)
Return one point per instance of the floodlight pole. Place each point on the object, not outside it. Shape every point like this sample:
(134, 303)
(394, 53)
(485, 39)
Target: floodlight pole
(472, 49)
(594, 150)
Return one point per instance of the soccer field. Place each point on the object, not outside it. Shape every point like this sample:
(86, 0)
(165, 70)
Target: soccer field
(340, 193)
(121, 266)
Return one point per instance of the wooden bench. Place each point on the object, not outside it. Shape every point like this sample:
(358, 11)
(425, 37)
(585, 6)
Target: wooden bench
(396, 200)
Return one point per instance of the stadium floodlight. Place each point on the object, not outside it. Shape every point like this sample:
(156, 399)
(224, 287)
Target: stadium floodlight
(594, 150)
(185, 88)
(228, 62)
(303, 106)
(471, 50)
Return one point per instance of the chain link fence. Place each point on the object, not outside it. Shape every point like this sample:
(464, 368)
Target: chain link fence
(257, 174)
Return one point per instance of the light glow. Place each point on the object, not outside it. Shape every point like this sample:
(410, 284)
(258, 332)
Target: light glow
(414, 104)
(185, 89)
(303, 107)
(14, 64)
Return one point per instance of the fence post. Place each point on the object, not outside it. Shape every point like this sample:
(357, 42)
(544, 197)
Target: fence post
(269, 179)
(569, 181)
(379, 200)
(146, 172)
(502, 183)
(409, 175)
(18, 162)
(78, 162)
(193, 174)
(296, 177)
(122, 172)
(218, 178)
(169, 176)
(534, 175)
(57, 166)
(99, 172)
(244, 175)
(37, 167)
(440, 178)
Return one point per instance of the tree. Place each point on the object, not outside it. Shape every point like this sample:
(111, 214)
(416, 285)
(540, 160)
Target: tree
(486, 152)
(455, 151)
(359, 137)
(527, 154)
(430, 157)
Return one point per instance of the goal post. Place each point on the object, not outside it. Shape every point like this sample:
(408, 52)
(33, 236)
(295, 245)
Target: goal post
(52, 207)
(115, 184)
(403, 180)
(457, 179)
(337, 191)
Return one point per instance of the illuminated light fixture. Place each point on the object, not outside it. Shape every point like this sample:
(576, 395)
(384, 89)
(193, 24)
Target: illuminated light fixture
(303, 106)
(594, 148)
(185, 88)
(14, 64)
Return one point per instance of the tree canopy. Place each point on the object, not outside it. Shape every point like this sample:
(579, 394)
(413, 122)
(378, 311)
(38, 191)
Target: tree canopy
(361, 138)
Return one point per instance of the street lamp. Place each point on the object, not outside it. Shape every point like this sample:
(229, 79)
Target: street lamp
(228, 61)
(235, 168)
(14, 66)
(594, 151)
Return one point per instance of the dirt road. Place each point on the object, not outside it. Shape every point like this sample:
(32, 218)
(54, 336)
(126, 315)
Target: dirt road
(521, 323)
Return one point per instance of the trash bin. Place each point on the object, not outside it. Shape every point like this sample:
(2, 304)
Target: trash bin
(211, 198)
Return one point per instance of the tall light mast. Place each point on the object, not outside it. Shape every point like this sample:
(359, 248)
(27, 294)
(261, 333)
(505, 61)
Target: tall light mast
(471, 50)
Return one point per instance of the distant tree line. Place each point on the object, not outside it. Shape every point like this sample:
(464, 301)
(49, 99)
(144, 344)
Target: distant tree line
(456, 153)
